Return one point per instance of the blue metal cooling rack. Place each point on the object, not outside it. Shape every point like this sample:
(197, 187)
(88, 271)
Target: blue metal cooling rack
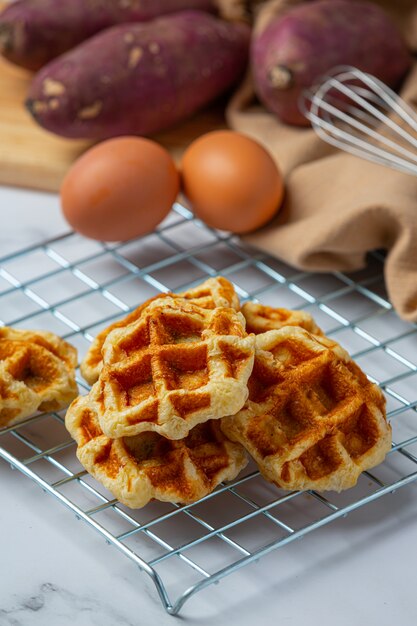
(75, 287)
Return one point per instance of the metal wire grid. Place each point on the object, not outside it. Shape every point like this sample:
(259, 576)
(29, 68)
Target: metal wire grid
(75, 287)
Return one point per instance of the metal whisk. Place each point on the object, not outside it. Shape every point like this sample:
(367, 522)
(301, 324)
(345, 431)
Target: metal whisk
(361, 115)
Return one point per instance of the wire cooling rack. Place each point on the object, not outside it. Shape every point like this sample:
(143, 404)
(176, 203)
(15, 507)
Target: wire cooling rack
(75, 287)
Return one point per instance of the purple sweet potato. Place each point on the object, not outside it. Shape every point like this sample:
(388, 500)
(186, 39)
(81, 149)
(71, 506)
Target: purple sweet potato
(33, 32)
(139, 78)
(296, 49)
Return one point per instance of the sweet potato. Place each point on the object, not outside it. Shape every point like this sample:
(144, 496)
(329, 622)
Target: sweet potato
(139, 78)
(32, 32)
(296, 49)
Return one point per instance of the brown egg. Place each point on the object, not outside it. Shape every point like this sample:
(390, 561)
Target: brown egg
(231, 181)
(119, 189)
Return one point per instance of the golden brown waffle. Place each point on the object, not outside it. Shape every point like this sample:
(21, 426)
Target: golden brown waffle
(177, 366)
(312, 420)
(148, 466)
(37, 372)
(261, 318)
(212, 293)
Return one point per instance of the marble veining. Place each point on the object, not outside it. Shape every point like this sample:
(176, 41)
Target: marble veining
(52, 604)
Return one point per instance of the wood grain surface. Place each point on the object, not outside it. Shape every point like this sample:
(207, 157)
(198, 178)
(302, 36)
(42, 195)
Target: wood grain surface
(33, 158)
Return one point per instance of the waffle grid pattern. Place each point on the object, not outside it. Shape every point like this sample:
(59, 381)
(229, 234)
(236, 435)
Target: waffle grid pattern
(76, 287)
(208, 342)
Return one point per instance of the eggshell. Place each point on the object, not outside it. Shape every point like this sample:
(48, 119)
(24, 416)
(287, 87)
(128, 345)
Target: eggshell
(119, 189)
(231, 181)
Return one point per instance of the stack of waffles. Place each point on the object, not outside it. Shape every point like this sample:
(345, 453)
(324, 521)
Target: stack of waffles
(188, 384)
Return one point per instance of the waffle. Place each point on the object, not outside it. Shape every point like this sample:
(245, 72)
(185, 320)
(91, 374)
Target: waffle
(177, 366)
(148, 466)
(312, 419)
(210, 294)
(261, 318)
(37, 372)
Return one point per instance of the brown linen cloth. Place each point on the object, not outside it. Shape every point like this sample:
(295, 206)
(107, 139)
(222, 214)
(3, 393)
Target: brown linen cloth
(337, 207)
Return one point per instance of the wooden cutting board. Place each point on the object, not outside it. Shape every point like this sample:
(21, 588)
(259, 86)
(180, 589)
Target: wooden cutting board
(33, 158)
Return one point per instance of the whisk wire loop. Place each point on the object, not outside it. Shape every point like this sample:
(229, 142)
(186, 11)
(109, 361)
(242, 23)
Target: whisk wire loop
(356, 112)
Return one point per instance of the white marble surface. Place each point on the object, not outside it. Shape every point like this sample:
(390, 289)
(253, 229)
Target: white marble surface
(56, 571)
(28, 218)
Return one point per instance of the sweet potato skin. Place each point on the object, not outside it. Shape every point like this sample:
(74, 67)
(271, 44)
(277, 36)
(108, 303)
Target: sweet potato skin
(33, 32)
(313, 38)
(139, 78)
